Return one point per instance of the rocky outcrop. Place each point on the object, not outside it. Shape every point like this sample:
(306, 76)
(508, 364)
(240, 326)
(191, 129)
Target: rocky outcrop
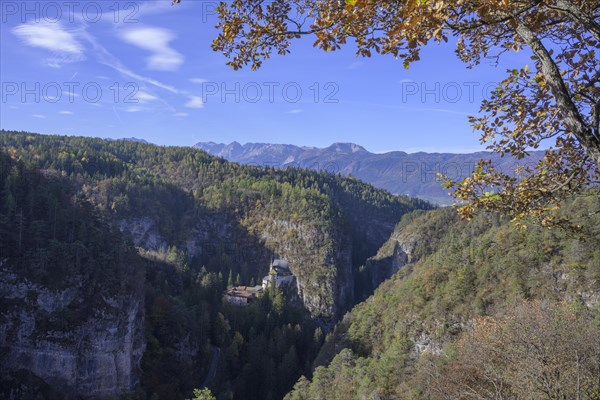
(84, 347)
(425, 343)
(321, 260)
(327, 287)
(393, 255)
(382, 268)
(143, 232)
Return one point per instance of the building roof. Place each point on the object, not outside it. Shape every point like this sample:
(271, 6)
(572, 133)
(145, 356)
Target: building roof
(280, 263)
(243, 291)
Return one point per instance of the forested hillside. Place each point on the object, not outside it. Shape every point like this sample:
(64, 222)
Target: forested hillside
(486, 311)
(199, 224)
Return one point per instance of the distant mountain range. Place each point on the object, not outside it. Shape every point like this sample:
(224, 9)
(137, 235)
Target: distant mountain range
(397, 171)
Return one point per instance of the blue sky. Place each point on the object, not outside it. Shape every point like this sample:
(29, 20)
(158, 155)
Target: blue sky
(146, 69)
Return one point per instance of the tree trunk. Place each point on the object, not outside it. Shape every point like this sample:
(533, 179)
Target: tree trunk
(572, 118)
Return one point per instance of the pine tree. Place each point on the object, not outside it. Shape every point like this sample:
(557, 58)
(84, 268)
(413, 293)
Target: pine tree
(230, 281)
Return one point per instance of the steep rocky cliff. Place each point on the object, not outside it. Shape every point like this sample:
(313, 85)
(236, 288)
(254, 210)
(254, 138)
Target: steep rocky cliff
(71, 293)
(393, 255)
(87, 350)
(321, 261)
(408, 243)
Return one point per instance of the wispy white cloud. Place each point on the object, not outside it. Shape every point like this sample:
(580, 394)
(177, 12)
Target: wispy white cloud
(145, 97)
(134, 109)
(198, 80)
(156, 7)
(195, 102)
(72, 45)
(66, 112)
(355, 64)
(295, 111)
(40, 116)
(53, 37)
(181, 114)
(127, 72)
(106, 58)
(156, 41)
(133, 12)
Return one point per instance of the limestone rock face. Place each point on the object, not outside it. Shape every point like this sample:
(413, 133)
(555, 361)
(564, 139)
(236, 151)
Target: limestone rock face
(393, 255)
(320, 260)
(143, 233)
(85, 350)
